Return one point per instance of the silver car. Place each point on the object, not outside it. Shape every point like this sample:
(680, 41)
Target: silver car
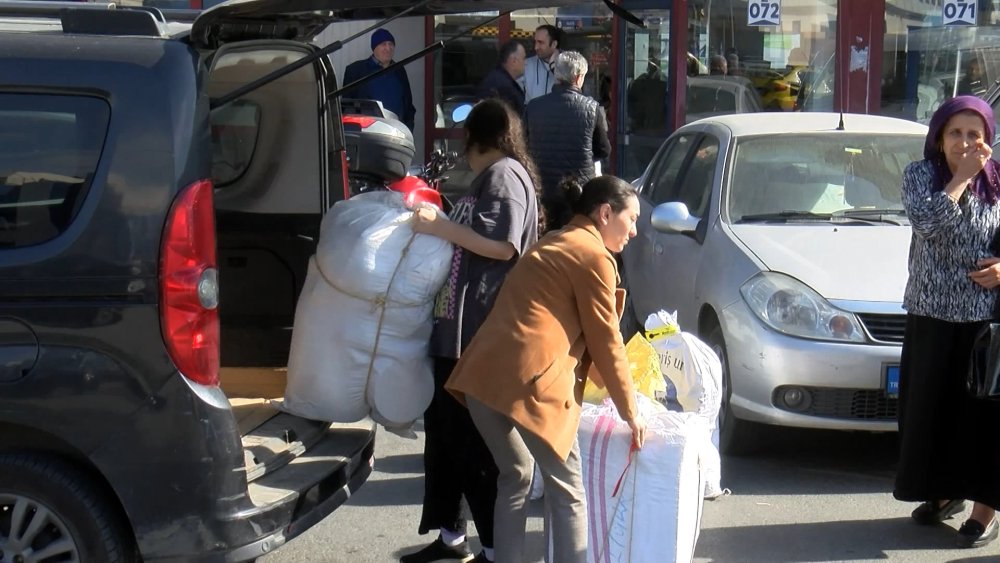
(781, 240)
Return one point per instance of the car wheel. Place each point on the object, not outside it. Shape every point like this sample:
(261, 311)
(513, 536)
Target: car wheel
(51, 511)
(736, 436)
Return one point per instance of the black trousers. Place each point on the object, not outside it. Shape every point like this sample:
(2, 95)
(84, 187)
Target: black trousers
(456, 463)
(949, 442)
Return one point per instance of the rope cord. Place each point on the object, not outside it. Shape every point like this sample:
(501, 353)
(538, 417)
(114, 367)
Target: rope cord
(379, 301)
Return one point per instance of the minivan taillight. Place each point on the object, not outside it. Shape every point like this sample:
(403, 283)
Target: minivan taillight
(189, 285)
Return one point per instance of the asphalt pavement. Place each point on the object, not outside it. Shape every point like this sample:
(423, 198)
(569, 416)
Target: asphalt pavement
(811, 496)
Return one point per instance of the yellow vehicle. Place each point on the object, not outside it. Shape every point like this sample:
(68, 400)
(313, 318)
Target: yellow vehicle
(779, 88)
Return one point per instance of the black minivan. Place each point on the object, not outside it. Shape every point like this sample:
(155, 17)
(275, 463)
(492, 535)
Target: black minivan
(161, 191)
(153, 241)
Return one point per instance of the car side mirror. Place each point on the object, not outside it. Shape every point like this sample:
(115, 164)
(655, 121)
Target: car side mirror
(673, 217)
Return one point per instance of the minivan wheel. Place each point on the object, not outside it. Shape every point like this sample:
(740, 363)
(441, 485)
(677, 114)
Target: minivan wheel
(736, 436)
(50, 511)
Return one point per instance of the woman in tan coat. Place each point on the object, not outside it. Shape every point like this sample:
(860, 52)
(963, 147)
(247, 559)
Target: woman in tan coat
(522, 376)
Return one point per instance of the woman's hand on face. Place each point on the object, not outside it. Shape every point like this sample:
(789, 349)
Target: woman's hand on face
(638, 427)
(425, 220)
(973, 161)
(988, 275)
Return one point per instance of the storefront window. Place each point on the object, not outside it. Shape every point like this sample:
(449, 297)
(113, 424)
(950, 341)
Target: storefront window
(458, 70)
(463, 63)
(645, 79)
(735, 67)
(586, 29)
(926, 62)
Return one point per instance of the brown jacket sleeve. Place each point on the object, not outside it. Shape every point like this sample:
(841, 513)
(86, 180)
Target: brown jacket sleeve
(594, 288)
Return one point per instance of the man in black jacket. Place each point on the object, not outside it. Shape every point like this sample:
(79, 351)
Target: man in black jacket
(567, 133)
(501, 82)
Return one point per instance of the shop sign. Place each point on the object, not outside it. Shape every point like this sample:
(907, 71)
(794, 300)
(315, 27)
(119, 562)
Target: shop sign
(761, 12)
(959, 12)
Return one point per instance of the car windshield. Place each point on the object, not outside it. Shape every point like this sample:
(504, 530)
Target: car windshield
(813, 175)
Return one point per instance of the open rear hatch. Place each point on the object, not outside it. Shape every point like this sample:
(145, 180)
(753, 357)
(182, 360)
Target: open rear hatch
(276, 141)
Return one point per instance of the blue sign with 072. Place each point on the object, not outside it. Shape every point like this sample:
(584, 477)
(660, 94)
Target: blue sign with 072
(764, 12)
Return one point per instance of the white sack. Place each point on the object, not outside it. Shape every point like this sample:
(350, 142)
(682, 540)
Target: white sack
(332, 346)
(695, 372)
(361, 243)
(656, 515)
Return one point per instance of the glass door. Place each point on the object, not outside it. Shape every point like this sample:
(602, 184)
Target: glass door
(457, 71)
(644, 106)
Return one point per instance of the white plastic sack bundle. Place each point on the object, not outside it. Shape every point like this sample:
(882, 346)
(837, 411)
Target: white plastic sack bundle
(333, 348)
(655, 517)
(363, 320)
(360, 245)
(694, 370)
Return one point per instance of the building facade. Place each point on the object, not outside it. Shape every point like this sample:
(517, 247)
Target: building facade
(890, 57)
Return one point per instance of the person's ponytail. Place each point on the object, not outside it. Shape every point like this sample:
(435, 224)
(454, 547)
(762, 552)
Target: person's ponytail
(583, 200)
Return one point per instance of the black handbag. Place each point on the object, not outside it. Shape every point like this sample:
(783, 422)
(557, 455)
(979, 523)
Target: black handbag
(983, 381)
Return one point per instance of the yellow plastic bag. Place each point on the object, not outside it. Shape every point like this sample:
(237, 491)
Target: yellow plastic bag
(644, 364)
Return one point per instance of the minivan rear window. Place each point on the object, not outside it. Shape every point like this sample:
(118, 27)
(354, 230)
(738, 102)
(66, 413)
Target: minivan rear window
(49, 149)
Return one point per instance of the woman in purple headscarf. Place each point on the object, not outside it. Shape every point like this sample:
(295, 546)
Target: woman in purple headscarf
(949, 442)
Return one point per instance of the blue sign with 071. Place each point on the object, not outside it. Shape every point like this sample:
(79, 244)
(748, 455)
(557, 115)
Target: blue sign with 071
(959, 12)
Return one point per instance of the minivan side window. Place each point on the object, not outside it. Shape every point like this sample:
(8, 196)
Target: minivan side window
(49, 149)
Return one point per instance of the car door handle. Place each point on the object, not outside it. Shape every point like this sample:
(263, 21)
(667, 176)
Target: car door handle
(658, 248)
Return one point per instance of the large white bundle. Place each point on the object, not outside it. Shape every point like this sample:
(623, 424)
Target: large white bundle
(694, 370)
(363, 320)
(331, 372)
(362, 241)
(655, 516)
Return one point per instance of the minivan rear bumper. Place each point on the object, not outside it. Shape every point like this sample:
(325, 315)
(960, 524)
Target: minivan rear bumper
(324, 478)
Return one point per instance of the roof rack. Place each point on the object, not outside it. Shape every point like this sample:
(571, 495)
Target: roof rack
(93, 18)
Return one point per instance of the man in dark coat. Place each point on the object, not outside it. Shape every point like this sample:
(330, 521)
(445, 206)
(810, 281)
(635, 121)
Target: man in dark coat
(567, 133)
(392, 89)
(501, 82)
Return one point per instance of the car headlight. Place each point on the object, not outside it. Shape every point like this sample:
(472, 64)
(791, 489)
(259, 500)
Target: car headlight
(791, 307)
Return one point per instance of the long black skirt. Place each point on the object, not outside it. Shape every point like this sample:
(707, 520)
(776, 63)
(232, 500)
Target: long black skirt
(457, 463)
(949, 442)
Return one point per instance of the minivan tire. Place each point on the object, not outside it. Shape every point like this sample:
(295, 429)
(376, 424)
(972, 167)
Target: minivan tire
(76, 511)
(737, 437)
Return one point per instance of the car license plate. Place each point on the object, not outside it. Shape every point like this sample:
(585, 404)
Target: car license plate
(892, 381)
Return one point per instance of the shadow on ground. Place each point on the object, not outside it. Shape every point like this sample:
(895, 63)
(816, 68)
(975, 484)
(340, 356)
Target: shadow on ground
(849, 540)
(803, 461)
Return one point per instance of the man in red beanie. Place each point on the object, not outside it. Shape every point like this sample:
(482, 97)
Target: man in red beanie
(392, 89)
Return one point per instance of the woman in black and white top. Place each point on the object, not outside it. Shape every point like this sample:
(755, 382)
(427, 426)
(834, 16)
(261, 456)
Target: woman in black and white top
(949, 442)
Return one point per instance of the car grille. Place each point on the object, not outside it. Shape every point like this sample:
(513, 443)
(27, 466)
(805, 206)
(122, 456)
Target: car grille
(885, 328)
(854, 404)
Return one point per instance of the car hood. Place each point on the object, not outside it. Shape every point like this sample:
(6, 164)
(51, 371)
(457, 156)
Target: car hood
(841, 262)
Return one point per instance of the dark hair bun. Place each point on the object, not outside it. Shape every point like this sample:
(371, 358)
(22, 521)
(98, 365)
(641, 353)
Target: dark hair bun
(572, 189)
